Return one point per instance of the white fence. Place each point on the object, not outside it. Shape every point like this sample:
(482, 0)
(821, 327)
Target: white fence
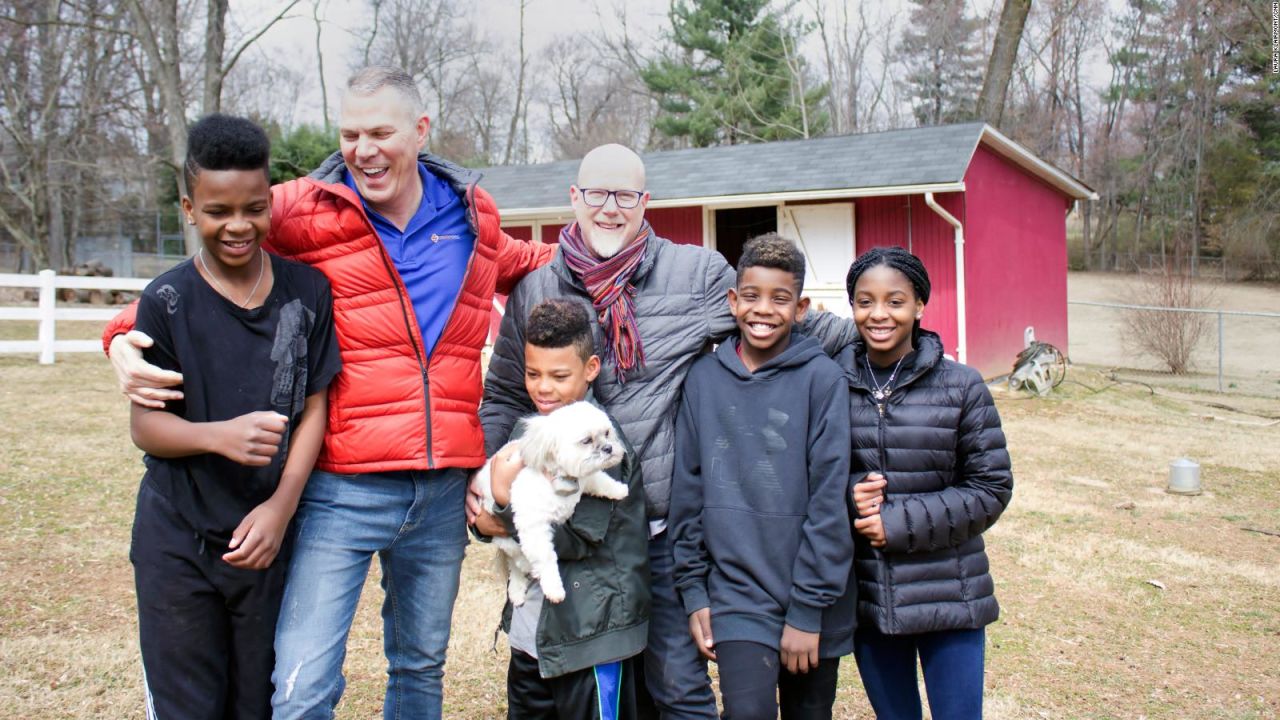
(47, 313)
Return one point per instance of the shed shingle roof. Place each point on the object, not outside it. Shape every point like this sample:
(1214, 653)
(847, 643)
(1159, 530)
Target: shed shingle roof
(892, 158)
(915, 156)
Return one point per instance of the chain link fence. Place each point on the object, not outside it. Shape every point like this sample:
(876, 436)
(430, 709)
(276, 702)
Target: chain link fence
(133, 243)
(1239, 352)
(1204, 267)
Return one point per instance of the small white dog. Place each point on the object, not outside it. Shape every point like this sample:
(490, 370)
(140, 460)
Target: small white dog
(565, 454)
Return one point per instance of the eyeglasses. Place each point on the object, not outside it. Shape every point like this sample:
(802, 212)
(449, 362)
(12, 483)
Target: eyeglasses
(596, 197)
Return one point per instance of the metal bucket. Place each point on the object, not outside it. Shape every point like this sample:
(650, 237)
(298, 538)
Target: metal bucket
(1184, 477)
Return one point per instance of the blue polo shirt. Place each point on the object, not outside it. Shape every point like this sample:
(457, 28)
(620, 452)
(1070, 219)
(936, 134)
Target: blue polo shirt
(431, 253)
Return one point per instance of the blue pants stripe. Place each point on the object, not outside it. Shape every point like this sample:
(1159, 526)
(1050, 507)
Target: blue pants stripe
(609, 689)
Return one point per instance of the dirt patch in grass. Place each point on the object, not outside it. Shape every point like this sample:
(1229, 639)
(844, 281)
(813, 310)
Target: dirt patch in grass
(1084, 633)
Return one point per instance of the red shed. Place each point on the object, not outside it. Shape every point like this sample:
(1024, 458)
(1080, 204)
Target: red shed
(984, 213)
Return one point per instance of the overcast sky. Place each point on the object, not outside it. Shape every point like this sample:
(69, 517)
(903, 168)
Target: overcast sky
(291, 42)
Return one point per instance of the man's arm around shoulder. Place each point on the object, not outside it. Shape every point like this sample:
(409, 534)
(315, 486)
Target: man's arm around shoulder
(515, 258)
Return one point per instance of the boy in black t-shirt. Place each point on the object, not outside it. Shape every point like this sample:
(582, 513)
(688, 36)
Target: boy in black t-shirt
(253, 337)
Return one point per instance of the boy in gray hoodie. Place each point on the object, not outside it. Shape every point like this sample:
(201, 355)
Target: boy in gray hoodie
(759, 515)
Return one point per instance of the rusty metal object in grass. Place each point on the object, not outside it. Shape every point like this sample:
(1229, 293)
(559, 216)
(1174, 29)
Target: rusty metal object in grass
(1038, 369)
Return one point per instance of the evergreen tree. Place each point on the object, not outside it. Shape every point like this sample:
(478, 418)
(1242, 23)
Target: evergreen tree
(1192, 141)
(944, 62)
(734, 74)
(1242, 162)
(296, 152)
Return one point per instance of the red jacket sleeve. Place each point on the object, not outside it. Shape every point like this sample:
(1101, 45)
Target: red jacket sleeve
(122, 323)
(517, 258)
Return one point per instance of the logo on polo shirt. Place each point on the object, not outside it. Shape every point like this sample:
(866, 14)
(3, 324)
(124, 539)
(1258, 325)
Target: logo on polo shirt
(436, 237)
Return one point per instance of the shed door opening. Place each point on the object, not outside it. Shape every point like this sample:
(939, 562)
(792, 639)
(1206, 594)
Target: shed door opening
(735, 226)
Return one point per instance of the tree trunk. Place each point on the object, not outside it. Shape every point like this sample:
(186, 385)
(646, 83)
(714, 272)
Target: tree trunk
(160, 43)
(324, 90)
(215, 41)
(1000, 66)
(1139, 219)
(519, 106)
(50, 230)
(1086, 218)
(834, 106)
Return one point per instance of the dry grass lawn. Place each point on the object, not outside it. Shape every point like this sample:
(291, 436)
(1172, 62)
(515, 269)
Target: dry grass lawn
(1119, 601)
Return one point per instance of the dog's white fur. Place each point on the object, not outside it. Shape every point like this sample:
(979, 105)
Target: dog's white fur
(565, 454)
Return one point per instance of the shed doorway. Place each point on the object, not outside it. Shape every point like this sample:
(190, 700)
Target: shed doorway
(735, 226)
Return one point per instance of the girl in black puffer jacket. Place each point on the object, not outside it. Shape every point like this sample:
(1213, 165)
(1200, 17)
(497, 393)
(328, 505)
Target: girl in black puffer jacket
(933, 474)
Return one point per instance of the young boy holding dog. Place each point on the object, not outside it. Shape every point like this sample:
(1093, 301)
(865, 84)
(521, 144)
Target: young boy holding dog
(762, 538)
(577, 659)
(252, 335)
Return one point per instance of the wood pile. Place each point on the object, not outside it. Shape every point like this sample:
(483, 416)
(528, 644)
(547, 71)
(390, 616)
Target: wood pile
(94, 296)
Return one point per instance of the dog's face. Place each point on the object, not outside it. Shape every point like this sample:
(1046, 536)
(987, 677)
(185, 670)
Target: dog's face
(571, 442)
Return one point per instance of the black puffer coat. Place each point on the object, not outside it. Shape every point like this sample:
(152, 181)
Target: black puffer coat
(940, 447)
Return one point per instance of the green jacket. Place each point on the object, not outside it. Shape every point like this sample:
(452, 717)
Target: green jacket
(604, 562)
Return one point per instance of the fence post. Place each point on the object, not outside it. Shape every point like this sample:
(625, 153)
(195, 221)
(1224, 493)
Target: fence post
(1220, 352)
(48, 304)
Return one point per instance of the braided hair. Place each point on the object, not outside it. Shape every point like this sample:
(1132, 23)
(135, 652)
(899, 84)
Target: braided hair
(899, 259)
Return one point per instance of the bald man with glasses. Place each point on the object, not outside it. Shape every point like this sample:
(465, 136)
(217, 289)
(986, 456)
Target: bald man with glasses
(659, 305)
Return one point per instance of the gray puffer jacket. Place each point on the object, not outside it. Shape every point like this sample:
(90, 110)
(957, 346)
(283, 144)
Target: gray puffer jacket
(939, 445)
(681, 309)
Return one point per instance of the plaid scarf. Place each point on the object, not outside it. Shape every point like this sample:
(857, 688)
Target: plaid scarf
(612, 294)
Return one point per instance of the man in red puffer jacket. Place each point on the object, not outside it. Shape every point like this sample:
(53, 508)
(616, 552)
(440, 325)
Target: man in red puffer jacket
(414, 253)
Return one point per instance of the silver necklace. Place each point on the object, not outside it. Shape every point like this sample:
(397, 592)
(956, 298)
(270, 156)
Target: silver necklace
(882, 392)
(262, 269)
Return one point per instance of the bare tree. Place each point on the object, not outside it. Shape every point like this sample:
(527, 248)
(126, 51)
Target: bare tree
(1172, 337)
(215, 44)
(479, 140)
(477, 99)
(441, 60)
(941, 55)
(857, 73)
(886, 88)
(593, 98)
(1004, 51)
(519, 107)
(158, 26)
(1046, 100)
(1123, 57)
(324, 87)
(64, 93)
(261, 87)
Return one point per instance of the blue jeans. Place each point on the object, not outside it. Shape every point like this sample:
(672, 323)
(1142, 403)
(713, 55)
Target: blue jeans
(416, 524)
(952, 661)
(675, 674)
